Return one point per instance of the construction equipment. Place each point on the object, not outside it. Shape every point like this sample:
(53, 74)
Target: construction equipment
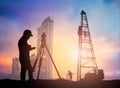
(87, 66)
(40, 55)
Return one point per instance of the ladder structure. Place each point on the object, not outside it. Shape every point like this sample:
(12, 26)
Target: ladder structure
(86, 57)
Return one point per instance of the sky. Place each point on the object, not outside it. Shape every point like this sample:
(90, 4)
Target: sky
(104, 23)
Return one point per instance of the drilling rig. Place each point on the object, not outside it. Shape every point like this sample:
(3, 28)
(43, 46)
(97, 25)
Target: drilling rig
(87, 68)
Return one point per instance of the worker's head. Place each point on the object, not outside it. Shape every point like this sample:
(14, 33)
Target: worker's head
(27, 33)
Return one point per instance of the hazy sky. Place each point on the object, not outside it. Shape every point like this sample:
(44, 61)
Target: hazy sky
(104, 22)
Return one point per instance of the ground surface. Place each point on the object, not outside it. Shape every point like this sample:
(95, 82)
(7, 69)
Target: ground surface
(60, 83)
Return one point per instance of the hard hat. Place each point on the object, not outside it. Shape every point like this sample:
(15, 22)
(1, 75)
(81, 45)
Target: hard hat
(27, 32)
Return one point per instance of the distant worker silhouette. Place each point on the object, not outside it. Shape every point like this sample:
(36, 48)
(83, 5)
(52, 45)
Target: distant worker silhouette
(24, 49)
(70, 74)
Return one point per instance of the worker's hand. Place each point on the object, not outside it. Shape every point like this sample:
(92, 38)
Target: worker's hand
(33, 48)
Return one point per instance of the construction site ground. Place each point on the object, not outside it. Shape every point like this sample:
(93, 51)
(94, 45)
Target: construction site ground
(58, 83)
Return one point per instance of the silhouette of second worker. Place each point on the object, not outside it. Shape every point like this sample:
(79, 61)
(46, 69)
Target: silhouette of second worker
(24, 49)
(70, 74)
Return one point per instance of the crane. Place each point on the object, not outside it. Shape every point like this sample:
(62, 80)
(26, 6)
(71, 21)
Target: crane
(87, 65)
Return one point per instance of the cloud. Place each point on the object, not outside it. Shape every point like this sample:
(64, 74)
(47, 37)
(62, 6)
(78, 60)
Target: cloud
(115, 3)
(8, 42)
(9, 31)
(114, 75)
(107, 56)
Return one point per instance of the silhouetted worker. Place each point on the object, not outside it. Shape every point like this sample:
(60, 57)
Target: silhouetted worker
(70, 74)
(24, 49)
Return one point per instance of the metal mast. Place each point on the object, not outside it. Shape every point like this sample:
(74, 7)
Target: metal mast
(86, 57)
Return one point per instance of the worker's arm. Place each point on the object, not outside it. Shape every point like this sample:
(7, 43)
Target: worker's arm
(31, 48)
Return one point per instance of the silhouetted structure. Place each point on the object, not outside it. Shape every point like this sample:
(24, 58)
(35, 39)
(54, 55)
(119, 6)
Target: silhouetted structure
(47, 28)
(24, 49)
(16, 68)
(87, 65)
(40, 56)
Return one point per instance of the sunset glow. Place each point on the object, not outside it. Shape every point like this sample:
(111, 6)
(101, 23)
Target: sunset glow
(104, 22)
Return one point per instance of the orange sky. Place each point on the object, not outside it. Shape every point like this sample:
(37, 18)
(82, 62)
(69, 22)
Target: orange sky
(65, 50)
